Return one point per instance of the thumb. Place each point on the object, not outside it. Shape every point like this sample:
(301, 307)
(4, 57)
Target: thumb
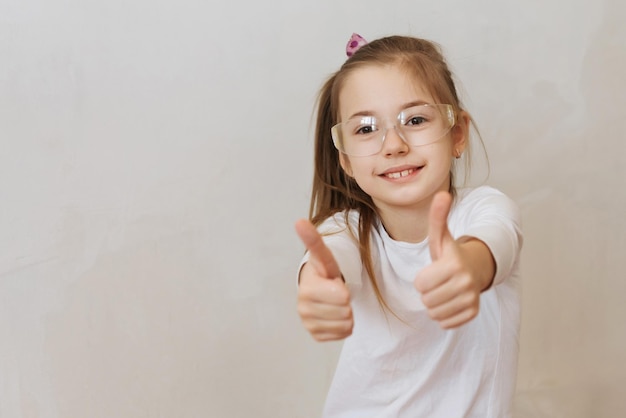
(319, 255)
(438, 233)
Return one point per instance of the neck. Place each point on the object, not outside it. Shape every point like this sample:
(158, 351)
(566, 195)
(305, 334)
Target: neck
(408, 224)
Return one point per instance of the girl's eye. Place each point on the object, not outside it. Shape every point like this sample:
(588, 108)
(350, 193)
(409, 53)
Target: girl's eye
(416, 120)
(367, 129)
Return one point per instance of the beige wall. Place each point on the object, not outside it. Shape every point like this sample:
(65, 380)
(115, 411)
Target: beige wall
(154, 155)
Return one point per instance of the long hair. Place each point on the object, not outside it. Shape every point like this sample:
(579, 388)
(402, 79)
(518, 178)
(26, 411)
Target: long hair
(333, 190)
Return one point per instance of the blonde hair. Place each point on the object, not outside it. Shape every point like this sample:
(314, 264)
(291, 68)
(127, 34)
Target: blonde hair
(333, 190)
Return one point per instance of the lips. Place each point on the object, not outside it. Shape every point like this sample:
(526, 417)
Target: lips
(399, 172)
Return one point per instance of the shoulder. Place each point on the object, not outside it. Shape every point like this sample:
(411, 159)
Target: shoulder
(481, 207)
(494, 218)
(484, 200)
(470, 194)
(340, 222)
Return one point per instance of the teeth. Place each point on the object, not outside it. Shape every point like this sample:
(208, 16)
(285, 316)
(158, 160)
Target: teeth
(399, 174)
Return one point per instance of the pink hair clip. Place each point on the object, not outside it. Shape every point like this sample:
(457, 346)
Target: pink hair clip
(356, 41)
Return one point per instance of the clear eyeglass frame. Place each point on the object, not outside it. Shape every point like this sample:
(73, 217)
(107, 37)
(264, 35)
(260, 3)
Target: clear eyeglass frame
(364, 135)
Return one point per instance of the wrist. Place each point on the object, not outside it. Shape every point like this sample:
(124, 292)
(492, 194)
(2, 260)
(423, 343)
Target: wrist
(480, 260)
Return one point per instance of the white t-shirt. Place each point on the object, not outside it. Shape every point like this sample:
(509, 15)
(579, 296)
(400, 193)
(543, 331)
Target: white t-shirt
(393, 369)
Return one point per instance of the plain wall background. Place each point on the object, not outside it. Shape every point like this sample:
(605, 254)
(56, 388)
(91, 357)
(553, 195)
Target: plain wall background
(154, 156)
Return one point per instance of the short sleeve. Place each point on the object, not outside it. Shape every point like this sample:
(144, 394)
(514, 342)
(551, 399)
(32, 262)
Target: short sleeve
(492, 217)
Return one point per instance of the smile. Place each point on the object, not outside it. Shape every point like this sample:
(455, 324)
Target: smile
(399, 174)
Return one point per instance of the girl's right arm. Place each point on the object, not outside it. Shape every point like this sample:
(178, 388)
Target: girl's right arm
(323, 297)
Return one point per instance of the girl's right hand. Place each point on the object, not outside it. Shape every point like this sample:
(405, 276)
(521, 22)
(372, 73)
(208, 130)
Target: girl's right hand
(323, 297)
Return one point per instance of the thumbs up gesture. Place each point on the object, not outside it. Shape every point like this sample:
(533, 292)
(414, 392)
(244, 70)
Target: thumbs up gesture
(460, 270)
(323, 298)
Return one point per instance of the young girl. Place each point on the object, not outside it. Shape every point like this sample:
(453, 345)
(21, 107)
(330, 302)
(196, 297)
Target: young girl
(418, 277)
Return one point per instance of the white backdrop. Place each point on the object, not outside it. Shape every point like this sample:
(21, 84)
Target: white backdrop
(155, 154)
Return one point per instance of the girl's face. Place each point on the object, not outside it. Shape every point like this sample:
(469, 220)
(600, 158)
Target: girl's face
(400, 175)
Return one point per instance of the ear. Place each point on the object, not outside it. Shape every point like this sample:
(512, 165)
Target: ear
(345, 164)
(460, 134)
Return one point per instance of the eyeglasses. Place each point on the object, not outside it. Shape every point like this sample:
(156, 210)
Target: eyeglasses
(419, 125)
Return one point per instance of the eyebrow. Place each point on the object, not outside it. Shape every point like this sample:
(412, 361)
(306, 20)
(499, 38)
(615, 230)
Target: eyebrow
(404, 106)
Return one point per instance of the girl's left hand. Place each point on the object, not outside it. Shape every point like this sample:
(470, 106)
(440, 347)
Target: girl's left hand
(460, 271)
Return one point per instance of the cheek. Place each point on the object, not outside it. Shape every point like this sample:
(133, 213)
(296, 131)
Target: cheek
(440, 151)
(445, 150)
(362, 172)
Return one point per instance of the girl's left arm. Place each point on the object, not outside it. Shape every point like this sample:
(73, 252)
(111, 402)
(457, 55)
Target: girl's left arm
(462, 268)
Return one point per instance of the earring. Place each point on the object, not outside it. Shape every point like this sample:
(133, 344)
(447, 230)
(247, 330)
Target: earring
(457, 154)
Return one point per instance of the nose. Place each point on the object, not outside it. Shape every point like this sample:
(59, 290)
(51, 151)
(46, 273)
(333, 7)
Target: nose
(394, 143)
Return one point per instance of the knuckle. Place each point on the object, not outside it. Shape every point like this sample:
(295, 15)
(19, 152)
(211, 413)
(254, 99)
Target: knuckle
(473, 300)
(417, 283)
(313, 327)
(305, 293)
(346, 313)
(446, 325)
(456, 265)
(467, 299)
(343, 296)
(319, 337)
(346, 331)
(433, 314)
(465, 281)
(346, 328)
(305, 311)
